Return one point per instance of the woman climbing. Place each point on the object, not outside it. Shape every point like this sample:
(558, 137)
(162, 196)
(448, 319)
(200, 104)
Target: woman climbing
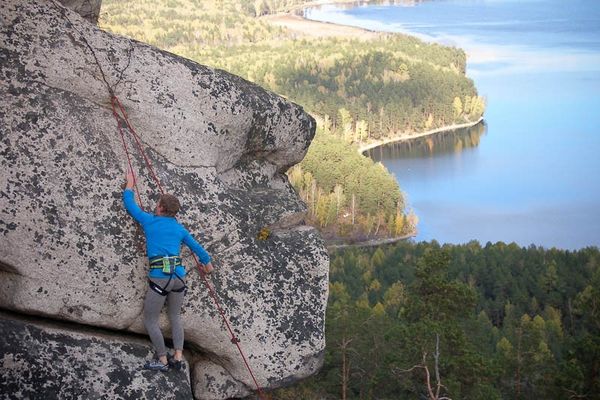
(164, 236)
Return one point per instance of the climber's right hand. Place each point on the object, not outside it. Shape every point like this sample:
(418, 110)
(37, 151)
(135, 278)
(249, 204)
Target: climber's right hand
(129, 179)
(208, 268)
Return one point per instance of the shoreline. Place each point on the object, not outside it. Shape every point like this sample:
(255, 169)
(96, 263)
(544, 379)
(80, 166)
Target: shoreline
(317, 3)
(370, 243)
(415, 135)
(310, 28)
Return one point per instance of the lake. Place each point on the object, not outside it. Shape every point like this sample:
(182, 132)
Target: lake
(531, 173)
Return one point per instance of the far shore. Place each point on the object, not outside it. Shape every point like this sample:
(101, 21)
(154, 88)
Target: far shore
(371, 243)
(303, 27)
(316, 3)
(414, 135)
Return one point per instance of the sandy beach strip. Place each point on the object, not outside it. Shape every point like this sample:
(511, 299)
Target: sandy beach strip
(303, 27)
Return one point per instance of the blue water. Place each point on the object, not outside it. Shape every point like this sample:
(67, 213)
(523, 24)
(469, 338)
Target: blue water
(534, 176)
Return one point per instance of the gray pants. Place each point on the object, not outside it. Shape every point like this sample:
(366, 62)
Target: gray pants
(153, 305)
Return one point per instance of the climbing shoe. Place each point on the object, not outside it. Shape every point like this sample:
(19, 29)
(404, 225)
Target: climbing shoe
(173, 363)
(156, 365)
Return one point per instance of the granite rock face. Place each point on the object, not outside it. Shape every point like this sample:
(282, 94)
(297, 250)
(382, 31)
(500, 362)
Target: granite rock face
(68, 249)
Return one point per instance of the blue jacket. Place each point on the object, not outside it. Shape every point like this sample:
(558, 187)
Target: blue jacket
(164, 236)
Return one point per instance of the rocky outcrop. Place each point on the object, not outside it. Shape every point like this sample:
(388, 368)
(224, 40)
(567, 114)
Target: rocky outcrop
(69, 251)
(88, 9)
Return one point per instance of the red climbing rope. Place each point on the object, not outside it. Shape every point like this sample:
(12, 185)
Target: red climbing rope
(115, 101)
(116, 115)
(116, 104)
(234, 339)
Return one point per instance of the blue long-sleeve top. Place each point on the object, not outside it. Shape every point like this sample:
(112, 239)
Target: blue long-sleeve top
(164, 236)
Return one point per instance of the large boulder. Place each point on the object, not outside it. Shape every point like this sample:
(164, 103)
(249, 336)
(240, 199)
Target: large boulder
(46, 360)
(221, 144)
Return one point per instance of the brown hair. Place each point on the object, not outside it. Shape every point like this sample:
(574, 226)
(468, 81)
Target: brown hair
(169, 203)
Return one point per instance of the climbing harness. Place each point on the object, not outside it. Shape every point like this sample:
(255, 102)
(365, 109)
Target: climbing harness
(162, 291)
(167, 265)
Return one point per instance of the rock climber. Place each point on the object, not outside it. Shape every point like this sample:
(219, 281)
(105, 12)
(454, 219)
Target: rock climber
(164, 236)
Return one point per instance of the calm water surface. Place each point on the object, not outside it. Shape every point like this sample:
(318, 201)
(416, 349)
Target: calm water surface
(532, 174)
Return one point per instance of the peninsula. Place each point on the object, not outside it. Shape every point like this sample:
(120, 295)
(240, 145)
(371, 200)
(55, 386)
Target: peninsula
(306, 28)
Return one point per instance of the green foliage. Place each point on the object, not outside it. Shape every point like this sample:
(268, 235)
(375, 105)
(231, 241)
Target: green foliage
(393, 301)
(333, 162)
(371, 89)
(436, 298)
(349, 195)
(184, 26)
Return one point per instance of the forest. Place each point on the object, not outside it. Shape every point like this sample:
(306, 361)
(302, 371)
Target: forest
(358, 90)
(355, 197)
(371, 89)
(426, 321)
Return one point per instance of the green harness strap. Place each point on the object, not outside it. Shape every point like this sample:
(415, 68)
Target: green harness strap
(167, 264)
